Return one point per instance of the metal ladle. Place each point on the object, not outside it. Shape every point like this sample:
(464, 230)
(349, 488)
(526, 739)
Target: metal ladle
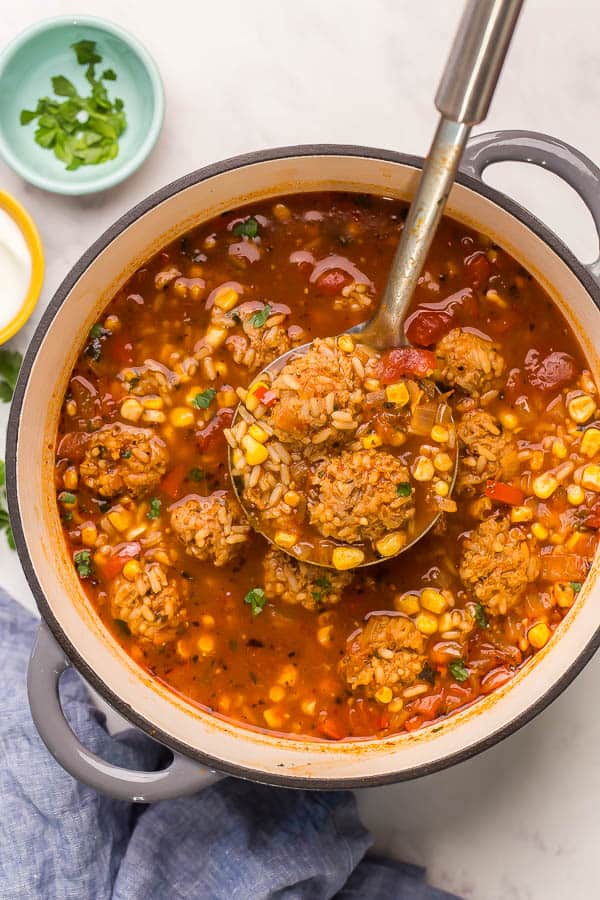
(463, 98)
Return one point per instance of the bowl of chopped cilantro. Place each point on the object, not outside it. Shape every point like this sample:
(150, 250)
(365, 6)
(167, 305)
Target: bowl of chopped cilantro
(81, 104)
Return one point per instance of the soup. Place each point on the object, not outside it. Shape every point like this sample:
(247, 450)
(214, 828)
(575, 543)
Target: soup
(241, 627)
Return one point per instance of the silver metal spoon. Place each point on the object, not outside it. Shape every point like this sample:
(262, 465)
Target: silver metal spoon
(463, 98)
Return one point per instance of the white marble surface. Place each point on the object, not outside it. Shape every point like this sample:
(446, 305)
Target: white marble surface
(520, 822)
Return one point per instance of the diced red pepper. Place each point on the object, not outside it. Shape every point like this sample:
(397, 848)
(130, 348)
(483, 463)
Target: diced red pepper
(550, 372)
(426, 327)
(478, 268)
(428, 707)
(114, 563)
(504, 493)
(332, 281)
(413, 723)
(73, 445)
(211, 437)
(172, 483)
(405, 361)
(264, 396)
(367, 719)
(331, 727)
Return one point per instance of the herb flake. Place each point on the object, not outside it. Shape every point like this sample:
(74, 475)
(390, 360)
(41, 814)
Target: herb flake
(480, 616)
(256, 599)
(155, 507)
(203, 399)
(83, 563)
(458, 670)
(404, 489)
(258, 319)
(248, 228)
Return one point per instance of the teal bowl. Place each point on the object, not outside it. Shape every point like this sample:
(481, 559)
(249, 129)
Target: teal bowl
(43, 51)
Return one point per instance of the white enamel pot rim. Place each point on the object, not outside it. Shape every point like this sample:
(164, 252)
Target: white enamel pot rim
(73, 635)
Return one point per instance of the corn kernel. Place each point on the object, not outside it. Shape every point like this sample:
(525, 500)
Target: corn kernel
(131, 569)
(152, 402)
(539, 531)
(255, 453)
(182, 417)
(439, 434)
(445, 623)
(559, 449)
(426, 623)
(372, 384)
(575, 495)
(371, 440)
(288, 676)
(182, 649)
(252, 402)
(71, 408)
(207, 620)
(396, 705)
(227, 298)
(521, 514)
(397, 393)
(89, 534)
(563, 594)
(273, 718)
(292, 498)
(277, 693)
(557, 539)
(441, 488)
(120, 519)
(215, 336)
(590, 478)
(285, 539)
(587, 382)
(154, 416)
(391, 544)
(384, 695)
(206, 643)
(442, 462)
(433, 601)
(539, 635)
(537, 460)
(544, 485)
(590, 442)
(347, 558)
(131, 409)
(226, 397)
(346, 344)
(324, 635)
(112, 323)
(422, 469)
(71, 478)
(407, 604)
(582, 408)
(259, 434)
(508, 420)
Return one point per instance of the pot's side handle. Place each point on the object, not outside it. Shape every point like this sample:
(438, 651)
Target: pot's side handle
(542, 150)
(47, 663)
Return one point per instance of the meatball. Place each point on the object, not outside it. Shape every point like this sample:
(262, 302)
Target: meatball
(468, 362)
(319, 396)
(121, 458)
(497, 564)
(388, 652)
(354, 496)
(212, 528)
(262, 341)
(152, 606)
(292, 581)
(486, 451)
(151, 379)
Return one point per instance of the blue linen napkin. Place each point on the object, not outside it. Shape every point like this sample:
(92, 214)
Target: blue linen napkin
(233, 841)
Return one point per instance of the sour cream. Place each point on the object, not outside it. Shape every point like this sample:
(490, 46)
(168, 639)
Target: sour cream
(15, 269)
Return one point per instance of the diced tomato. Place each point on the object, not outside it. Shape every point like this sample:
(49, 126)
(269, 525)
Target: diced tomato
(550, 372)
(478, 268)
(413, 723)
(405, 361)
(172, 483)
(366, 719)
(85, 395)
(495, 679)
(428, 707)
(457, 695)
(504, 493)
(426, 327)
(73, 445)
(563, 567)
(211, 437)
(332, 281)
(332, 727)
(114, 563)
(121, 349)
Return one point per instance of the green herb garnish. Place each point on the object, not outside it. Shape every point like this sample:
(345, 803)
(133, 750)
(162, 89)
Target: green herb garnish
(204, 398)
(576, 585)
(126, 454)
(154, 511)
(83, 563)
(404, 489)
(458, 670)
(480, 616)
(258, 319)
(68, 498)
(249, 228)
(4, 520)
(10, 363)
(82, 131)
(256, 599)
(196, 474)
(325, 586)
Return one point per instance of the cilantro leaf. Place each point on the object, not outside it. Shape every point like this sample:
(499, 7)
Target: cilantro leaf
(576, 585)
(403, 489)
(480, 616)
(258, 319)
(83, 563)
(249, 228)
(256, 599)
(155, 507)
(203, 399)
(458, 670)
(196, 474)
(85, 52)
(10, 363)
(109, 75)
(63, 87)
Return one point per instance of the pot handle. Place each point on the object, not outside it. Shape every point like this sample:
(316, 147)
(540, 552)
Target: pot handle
(47, 663)
(542, 150)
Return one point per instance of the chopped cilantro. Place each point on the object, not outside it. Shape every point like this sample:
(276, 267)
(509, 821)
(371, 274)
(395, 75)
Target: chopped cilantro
(67, 516)
(68, 498)
(204, 398)
(126, 454)
(154, 511)
(83, 563)
(256, 599)
(576, 585)
(404, 489)
(258, 319)
(458, 670)
(10, 363)
(324, 583)
(96, 331)
(196, 474)
(480, 616)
(249, 228)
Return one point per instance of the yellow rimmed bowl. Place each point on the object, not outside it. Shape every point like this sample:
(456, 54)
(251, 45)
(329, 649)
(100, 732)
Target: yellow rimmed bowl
(28, 229)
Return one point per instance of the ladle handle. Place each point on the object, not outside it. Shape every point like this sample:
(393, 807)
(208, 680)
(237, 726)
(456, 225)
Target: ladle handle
(463, 98)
